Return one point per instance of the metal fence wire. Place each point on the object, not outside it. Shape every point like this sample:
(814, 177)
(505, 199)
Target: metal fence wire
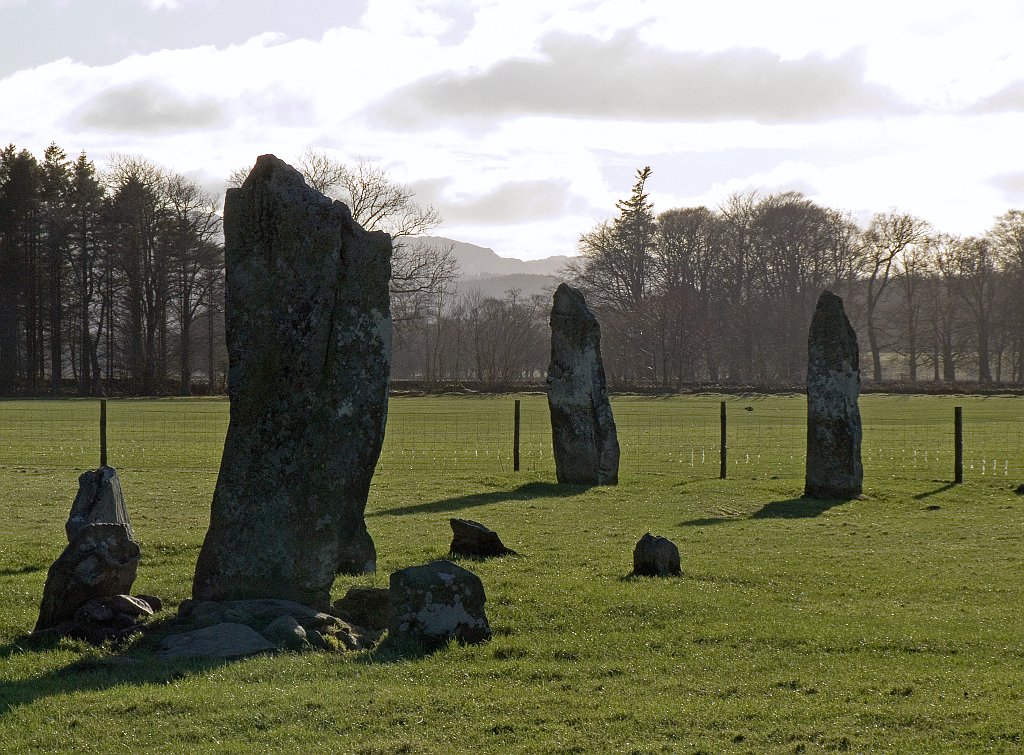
(904, 437)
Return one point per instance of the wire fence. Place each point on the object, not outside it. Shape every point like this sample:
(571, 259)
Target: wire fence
(909, 437)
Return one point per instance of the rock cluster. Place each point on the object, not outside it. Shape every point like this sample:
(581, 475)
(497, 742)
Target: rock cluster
(111, 618)
(435, 603)
(834, 469)
(87, 590)
(656, 556)
(237, 628)
(586, 448)
(309, 342)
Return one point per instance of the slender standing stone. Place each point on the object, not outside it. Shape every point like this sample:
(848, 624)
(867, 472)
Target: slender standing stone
(586, 448)
(309, 345)
(834, 467)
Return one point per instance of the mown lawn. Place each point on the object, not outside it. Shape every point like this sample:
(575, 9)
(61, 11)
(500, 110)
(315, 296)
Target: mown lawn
(889, 624)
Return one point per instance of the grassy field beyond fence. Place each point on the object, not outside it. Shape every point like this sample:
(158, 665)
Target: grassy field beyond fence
(904, 436)
(891, 624)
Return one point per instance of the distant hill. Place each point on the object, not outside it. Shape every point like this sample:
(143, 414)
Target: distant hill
(478, 261)
(497, 285)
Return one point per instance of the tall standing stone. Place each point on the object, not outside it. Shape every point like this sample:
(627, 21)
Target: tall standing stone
(834, 467)
(586, 448)
(309, 346)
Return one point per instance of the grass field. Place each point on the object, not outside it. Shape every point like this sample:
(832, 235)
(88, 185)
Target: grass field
(889, 624)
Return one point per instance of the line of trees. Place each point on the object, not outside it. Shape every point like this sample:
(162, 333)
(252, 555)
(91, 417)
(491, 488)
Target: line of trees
(113, 281)
(695, 295)
(109, 282)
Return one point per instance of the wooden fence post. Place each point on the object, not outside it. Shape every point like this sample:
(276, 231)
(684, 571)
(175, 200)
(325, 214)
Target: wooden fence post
(958, 444)
(103, 432)
(515, 440)
(724, 454)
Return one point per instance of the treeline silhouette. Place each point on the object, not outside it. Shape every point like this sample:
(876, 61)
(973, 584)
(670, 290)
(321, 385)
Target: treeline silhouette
(109, 283)
(696, 296)
(113, 283)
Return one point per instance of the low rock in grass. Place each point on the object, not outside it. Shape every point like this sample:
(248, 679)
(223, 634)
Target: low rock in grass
(283, 625)
(473, 540)
(109, 619)
(220, 641)
(286, 633)
(656, 556)
(365, 607)
(435, 603)
(1019, 490)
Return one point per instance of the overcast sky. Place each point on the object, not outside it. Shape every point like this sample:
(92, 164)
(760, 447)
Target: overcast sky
(524, 120)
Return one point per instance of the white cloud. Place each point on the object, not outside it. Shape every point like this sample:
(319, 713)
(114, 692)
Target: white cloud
(525, 121)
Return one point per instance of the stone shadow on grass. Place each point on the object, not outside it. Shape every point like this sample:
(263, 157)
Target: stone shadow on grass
(930, 493)
(525, 492)
(791, 508)
(94, 672)
(797, 508)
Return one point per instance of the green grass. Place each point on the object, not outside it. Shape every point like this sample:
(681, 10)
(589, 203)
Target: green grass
(879, 625)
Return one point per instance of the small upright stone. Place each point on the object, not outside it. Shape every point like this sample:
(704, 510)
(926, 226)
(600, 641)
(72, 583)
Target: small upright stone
(585, 445)
(656, 556)
(437, 602)
(309, 343)
(99, 499)
(834, 469)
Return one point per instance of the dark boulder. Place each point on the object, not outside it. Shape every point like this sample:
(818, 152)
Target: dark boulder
(473, 540)
(100, 561)
(435, 603)
(656, 556)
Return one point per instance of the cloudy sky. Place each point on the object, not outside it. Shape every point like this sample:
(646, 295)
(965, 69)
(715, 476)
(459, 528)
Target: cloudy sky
(523, 121)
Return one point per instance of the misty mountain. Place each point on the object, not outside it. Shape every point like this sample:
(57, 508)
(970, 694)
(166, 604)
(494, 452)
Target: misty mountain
(481, 262)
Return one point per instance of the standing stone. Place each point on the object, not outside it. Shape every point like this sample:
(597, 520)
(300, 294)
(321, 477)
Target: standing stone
(309, 343)
(834, 467)
(99, 499)
(586, 448)
(100, 561)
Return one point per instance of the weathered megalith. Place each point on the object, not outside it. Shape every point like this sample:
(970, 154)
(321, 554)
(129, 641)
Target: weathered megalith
(309, 346)
(100, 561)
(437, 602)
(99, 499)
(834, 467)
(586, 448)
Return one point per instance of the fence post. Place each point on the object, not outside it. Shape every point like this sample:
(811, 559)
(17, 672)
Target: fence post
(958, 444)
(103, 432)
(724, 454)
(515, 440)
